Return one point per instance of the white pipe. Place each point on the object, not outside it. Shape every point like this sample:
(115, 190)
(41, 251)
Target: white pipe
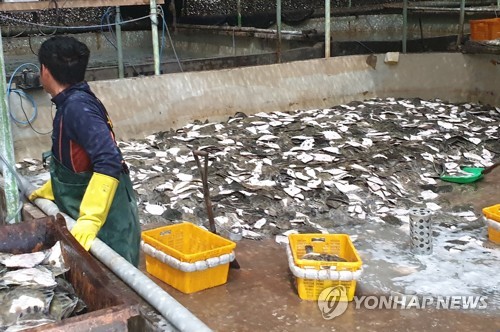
(154, 33)
(168, 307)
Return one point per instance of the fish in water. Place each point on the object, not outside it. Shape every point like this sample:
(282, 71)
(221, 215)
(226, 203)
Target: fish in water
(314, 256)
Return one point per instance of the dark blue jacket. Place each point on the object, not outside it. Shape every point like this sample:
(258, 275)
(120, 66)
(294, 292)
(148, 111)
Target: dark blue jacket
(83, 139)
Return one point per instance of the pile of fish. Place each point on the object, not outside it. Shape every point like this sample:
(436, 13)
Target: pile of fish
(33, 290)
(271, 174)
(311, 170)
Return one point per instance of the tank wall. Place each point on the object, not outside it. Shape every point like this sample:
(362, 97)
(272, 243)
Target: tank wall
(144, 105)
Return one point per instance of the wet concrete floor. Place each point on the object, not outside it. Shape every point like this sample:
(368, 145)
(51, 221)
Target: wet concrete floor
(261, 296)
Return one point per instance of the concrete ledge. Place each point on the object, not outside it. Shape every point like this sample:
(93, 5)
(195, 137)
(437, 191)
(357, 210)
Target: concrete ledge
(143, 105)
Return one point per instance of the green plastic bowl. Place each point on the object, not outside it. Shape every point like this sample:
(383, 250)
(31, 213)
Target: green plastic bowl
(476, 173)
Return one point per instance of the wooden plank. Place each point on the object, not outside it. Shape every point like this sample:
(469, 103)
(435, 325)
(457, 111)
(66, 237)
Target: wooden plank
(41, 5)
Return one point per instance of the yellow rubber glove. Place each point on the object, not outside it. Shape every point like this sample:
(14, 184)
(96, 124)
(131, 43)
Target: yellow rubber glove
(94, 208)
(45, 191)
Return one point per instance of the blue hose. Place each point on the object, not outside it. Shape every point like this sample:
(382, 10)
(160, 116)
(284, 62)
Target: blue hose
(21, 94)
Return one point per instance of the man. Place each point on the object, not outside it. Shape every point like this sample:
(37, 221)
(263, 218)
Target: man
(88, 178)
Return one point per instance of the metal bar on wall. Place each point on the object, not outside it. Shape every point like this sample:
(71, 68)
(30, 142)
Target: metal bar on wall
(42, 5)
(154, 33)
(238, 5)
(119, 46)
(405, 24)
(461, 23)
(327, 28)
(278, 28)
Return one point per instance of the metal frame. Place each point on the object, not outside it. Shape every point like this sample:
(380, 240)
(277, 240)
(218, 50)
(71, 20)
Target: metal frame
(40, 5)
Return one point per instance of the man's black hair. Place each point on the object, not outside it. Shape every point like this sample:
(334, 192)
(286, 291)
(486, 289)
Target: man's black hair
(66, 58)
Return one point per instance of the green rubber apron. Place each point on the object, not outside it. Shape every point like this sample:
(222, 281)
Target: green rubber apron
(121, 231)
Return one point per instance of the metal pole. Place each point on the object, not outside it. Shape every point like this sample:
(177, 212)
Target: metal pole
(278, 24)
(7, 147)
(154, 32)
(119, 45)
(461, 24)
(405, 23)
(238, 5)
(158, 298)
(327, 29)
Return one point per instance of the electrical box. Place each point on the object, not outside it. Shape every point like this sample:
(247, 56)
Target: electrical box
(29, 80)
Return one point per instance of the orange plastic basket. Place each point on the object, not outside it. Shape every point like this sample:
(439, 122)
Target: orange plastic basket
(494, 28)
(187, 243)
(336, 244)
(487, 29)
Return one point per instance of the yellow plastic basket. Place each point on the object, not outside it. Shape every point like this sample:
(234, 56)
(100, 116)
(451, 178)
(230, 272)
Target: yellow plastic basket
(493, 213)
(494, 235)
(336, 244)
(187, 243)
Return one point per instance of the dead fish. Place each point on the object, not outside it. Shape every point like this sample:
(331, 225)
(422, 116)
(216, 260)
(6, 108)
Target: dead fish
(64, 286)
(37, 277)
(458, 172)
(28, 323)
(22, 260)
(20, 303)
(62, 305)
(32, 297)
(54, 260)
(314, 256)
(52, 257)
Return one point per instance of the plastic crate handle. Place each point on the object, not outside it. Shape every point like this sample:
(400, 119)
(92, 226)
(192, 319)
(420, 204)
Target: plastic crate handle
(184, 266)
(318, 239)
(492, 223)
